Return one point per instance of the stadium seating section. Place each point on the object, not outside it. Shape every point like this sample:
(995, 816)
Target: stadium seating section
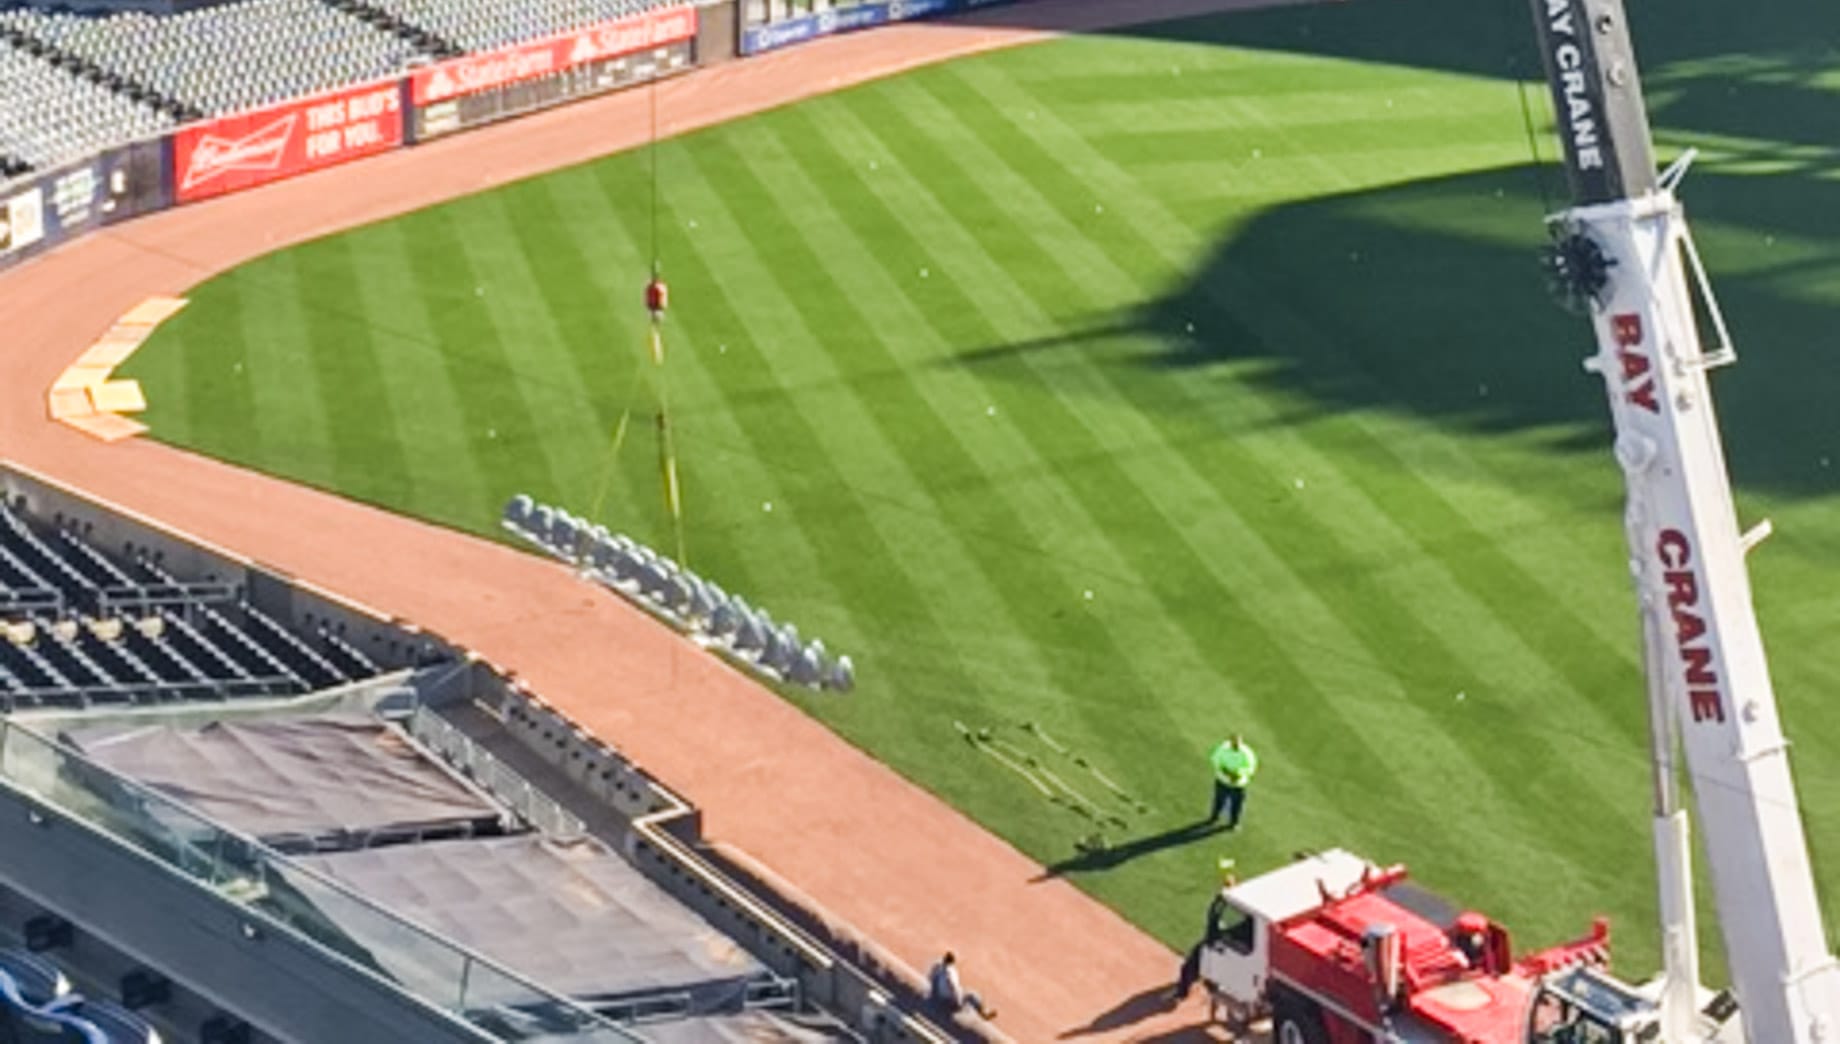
(79, 628)
(71, 84)
(38, 1006)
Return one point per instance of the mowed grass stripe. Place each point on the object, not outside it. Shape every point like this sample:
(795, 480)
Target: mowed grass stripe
(500, 430)
(1511, 767)
(550, 241)
(543, 368)
(847, 543)
(866, 442)
(1578, 648)
(367, 454)
(1284, 676)
(1385, 622)
(208, 365)
(1375, 607)
(625, 491)
(844, 452)
(929, 446)
(870, 258)
(288, 406)
(446, 481)
(977, 272)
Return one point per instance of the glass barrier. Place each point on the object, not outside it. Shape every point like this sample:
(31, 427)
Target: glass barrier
(256, 877)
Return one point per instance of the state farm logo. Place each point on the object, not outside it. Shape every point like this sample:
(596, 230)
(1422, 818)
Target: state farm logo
(480, 74)
(441, 85)
(674, 25)
(612, 40)
(259, 150)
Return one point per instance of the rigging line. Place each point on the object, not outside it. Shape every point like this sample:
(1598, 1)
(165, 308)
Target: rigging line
(611, 457)
(1533, 148)
(1527, 124)
(652, 154)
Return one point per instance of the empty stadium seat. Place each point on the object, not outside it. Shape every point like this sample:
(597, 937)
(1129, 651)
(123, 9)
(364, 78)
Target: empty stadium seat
(78, 628)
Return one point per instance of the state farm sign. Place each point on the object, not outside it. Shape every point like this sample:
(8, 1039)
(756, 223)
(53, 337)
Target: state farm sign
(473, 73)
(237, 152)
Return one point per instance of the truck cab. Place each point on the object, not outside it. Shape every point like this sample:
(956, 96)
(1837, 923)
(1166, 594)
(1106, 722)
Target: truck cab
(1236, 963)
(1339, 949)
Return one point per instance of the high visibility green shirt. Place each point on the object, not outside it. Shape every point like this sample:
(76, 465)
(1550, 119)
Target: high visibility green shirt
(1235, 766)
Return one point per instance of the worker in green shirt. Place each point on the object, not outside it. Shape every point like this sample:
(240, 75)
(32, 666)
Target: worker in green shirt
(1234, 764)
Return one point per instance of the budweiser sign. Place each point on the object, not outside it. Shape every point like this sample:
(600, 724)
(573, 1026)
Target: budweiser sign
(259, 150)
(236, 152)
(473, 73)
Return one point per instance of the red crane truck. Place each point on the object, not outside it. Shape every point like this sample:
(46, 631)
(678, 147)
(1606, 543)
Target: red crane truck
(1339, 950)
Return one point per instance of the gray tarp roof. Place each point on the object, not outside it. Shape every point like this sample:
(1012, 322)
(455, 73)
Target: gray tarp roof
(292, 781)
(574, 918)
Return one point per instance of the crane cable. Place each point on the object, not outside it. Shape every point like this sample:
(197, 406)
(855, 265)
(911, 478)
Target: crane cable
(1514, 71)
(656, 375)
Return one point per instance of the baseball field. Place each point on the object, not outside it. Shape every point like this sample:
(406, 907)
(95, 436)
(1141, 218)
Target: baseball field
(1142, 387)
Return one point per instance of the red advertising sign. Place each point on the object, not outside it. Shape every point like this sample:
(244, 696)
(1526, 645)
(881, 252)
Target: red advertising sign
(528, 61)
(236, 152)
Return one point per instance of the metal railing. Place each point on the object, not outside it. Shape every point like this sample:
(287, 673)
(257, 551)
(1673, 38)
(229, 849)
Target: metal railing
(281, 892)
(492, 775)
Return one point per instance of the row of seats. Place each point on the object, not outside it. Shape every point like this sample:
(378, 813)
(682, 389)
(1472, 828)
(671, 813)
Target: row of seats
(79, 628)
(480, 25)
(50, 115)
(73, 84)
(679, 594)
(38, 1006)
(228, 57)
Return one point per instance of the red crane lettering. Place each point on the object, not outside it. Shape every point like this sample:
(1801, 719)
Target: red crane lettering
(1705, 701)
(1638, 383)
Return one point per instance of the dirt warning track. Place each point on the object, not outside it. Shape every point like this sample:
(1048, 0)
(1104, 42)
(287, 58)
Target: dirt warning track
(878, 852)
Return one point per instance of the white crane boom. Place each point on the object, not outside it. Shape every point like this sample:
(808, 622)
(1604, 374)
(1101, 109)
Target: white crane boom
(1625, 249)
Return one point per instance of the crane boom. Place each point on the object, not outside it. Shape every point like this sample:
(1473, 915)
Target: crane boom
(1624, 247)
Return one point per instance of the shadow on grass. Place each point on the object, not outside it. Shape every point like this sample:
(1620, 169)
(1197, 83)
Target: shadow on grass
(1096, 859)
(1426, 299)
(1705, 70)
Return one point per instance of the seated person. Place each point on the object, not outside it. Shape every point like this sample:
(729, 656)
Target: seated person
(945, 992)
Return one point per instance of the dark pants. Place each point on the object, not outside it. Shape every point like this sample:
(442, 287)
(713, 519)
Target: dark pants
(971, 1002)
(1191, 970)
(1230, 798)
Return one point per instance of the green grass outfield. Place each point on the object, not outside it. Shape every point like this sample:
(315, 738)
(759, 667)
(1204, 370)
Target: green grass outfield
(1234, 323)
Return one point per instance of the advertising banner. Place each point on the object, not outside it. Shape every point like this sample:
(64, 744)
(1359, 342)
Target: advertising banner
(475, 73)
(22, 220)
(39, 212)
(232, 153)
(785, 33)
(581, 81)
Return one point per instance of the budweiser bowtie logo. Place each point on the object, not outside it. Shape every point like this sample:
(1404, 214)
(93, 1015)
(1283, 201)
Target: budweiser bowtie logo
(258, 150)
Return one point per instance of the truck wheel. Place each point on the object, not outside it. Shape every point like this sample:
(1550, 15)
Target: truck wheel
(1296, 1021)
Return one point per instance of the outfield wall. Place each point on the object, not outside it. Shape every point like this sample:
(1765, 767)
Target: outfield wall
(242, 150)
(42, 210)
(766, 29)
